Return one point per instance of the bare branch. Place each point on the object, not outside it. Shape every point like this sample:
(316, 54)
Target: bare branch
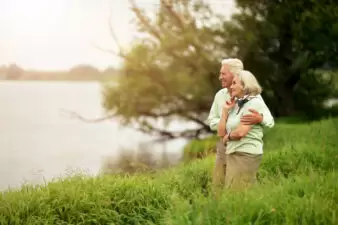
(110, 51)
(180, 112)
(114, 36)
(164, 134)
(113, 52)
(75, 115)
(198, 121)
(199, 47)
(169, 8)
(120, 52)
(144, 20)
(169, 135)
(156, 33)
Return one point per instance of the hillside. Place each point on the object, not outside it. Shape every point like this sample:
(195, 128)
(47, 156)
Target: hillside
(297, 185)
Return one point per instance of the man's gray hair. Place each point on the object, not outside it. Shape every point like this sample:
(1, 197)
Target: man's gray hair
(235, 65)
(250, 83)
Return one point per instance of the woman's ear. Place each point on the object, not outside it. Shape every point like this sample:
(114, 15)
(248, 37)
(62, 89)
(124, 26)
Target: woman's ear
(246, 91)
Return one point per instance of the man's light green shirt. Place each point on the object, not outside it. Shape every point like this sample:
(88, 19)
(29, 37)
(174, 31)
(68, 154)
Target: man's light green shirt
(217, 105)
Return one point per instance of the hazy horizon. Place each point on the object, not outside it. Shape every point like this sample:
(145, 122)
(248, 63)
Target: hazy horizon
(57, 35)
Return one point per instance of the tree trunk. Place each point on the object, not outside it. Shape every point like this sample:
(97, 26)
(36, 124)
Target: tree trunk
(285, 91)
(286, 105)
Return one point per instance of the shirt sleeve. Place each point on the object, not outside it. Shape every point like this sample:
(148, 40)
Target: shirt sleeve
(268, 120)
(259, 105)
(214, 117)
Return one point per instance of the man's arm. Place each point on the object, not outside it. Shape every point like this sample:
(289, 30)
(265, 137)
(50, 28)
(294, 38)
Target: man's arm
(263, 117)
(268, 120)
(214, 117)
(243, 129)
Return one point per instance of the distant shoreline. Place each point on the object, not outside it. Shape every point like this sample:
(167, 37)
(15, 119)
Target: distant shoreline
(51, 80)
(80, 73)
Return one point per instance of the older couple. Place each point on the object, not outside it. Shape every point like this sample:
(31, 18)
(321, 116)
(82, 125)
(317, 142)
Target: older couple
(238, 114)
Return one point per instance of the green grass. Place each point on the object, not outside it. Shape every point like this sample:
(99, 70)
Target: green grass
(297, 185)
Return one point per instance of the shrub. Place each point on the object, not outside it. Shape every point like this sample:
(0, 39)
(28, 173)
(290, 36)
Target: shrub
(198, 149)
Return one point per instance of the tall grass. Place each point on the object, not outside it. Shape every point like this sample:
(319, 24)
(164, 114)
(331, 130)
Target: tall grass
(297, 185)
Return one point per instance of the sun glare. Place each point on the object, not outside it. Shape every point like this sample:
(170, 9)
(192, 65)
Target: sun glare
(34, 17)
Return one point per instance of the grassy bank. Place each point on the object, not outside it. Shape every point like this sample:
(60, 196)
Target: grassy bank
(297, 185)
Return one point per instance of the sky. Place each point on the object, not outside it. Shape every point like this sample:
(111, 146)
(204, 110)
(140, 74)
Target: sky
(60, 34)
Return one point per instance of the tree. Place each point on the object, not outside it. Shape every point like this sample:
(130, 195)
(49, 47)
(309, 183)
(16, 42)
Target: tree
(285, 43)
(171, 72)
(84, 72)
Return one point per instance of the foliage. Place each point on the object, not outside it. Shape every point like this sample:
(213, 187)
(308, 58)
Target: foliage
(288, 45)
(200, 148)
(297, 185)
(171, 71)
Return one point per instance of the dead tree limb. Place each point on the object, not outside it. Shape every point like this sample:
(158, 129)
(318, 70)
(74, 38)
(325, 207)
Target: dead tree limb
(75, 115)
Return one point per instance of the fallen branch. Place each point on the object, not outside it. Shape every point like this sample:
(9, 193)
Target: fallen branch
(165, 135)
(75, 115)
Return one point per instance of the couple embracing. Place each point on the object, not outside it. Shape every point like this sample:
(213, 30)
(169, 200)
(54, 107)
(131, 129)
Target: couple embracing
(239, 115)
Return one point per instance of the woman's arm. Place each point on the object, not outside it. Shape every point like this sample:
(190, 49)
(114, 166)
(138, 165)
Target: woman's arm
(221, 130)
(242, 130)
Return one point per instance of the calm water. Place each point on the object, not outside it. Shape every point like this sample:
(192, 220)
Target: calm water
(39, 143)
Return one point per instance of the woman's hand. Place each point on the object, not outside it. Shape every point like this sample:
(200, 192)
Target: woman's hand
(229, 104)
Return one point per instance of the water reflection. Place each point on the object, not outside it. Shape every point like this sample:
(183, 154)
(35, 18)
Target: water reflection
(38, 143)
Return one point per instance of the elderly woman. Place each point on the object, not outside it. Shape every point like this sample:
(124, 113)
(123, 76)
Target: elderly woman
(244, 143)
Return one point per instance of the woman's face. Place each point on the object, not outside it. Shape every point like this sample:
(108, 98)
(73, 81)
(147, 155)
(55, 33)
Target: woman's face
(236, 88)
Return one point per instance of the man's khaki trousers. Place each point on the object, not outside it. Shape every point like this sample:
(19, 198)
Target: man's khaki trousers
(218, 177)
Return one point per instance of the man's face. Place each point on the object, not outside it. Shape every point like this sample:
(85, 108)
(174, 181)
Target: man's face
(225, 76)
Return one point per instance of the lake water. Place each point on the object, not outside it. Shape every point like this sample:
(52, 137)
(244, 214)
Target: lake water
(38, 143)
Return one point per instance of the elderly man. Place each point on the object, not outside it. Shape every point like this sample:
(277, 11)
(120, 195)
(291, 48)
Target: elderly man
(229, 68)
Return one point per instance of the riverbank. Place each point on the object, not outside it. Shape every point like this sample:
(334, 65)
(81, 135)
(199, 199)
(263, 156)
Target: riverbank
(297, 185)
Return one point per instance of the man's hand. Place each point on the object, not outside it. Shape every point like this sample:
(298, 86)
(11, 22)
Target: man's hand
(252, 119)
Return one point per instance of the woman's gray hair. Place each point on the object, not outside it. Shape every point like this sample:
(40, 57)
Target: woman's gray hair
(235, 65)
(250, 83)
